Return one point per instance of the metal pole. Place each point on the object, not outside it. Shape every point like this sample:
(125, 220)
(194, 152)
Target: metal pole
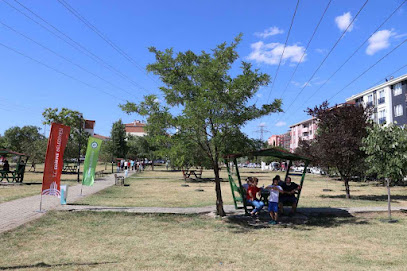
(79, 147)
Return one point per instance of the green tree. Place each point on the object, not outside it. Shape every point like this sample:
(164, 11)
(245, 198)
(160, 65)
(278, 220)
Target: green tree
(28, 140)
(73, 119)
(213, 104)
(18, 139)
(386, 147)
(141, 147)
(118, 137)
(339, 138)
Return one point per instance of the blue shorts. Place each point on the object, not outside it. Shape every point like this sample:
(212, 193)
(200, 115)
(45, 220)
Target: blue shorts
(273, 207)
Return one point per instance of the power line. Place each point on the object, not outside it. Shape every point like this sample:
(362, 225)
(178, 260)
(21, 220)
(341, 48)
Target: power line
(306, 48)
(357, 50)
(61, 56)
(102, 36)
(390, 74)
(68, 40)
(285, 44)
(364, 72)
(58, 71)
(330, 51)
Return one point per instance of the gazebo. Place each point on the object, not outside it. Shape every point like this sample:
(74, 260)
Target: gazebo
(238, 192)
(16, 175)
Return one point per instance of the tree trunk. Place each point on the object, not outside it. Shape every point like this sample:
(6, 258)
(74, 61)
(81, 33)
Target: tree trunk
(388, 197)
(347, 188)
(219, 201)
(152, 165)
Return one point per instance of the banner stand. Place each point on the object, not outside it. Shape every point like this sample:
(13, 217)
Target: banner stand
(40, 210)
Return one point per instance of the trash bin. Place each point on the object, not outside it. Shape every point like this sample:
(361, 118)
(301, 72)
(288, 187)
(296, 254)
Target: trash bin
(64, 194)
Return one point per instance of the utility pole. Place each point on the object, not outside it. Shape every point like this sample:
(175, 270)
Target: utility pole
(261, 131)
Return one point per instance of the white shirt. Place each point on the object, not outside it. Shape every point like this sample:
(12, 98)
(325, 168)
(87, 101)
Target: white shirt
(274, 193)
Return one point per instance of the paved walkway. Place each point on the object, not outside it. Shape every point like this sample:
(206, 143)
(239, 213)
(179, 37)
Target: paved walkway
(17, 212)
(228, 209)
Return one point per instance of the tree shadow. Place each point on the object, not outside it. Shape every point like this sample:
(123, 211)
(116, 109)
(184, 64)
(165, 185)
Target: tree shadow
(45, 265)
(304, 219)
(394, 198)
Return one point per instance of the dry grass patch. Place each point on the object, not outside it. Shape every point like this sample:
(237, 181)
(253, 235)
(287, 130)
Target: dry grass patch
(32, 183)
(119, 241)
(161, 188)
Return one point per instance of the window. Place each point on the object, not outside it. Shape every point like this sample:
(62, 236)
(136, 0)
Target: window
(397, 89)
(370, 100)
(382, 116)
(381, 97)
(398, 110)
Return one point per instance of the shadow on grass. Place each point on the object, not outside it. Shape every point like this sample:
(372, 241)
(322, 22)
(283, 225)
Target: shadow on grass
(305, 219)
(394, 198)
(45, 265)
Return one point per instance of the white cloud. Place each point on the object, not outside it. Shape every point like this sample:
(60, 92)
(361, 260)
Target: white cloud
(399, 36)
(379, 41)
(262, 124)
(270, 53)
(314, 82)
(259, 95)
(281, 123)
(321, 51)
(272, 31)
(343, 21)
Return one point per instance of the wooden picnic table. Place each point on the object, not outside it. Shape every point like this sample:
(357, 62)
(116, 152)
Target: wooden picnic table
(197, 173)
(69, 168)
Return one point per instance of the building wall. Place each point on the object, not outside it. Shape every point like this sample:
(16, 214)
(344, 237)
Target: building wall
(391, 101)
(302, 131)
(400, 100)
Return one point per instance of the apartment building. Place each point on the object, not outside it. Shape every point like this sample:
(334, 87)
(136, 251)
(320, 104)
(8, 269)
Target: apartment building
(304, 130)
(136, 128)
(388, 100)
(282, 140)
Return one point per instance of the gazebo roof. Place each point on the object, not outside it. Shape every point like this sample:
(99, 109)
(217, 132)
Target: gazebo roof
(4, 151)
(271, 152)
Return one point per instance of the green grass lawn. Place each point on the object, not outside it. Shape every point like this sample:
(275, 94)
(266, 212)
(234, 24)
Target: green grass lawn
(32, 183)
(120, 241)
(161, 188)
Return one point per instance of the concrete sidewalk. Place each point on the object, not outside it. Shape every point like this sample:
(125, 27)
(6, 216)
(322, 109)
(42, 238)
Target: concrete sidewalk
(229, 209)
(17, 212)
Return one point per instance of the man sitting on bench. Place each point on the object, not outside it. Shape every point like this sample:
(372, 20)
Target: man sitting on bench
(6, 166)
(288, 197)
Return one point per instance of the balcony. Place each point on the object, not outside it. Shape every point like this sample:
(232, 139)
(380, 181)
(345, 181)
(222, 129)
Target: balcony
(382, 100)
(369, 104)
(382, 120)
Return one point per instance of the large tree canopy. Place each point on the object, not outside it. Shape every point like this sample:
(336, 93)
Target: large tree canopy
(339, 138)
(213, 104)
(26, 139)
(73, 119)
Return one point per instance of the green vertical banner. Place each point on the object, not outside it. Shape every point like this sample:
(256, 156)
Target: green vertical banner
(91, 159)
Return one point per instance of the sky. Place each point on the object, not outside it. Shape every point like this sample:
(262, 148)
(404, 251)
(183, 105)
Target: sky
(38, 70)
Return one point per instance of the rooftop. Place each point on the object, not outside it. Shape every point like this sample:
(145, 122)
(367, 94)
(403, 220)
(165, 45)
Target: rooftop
(390, 82)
